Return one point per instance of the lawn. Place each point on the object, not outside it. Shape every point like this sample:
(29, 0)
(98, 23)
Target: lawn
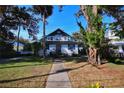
(24, 72)
(82, 74)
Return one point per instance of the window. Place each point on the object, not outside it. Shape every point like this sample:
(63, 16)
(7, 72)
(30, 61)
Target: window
(64, 37)
(71, 47)
(48, 38)
(51, 38)
(57, 37)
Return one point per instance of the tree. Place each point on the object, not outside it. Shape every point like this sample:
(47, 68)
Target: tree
(24, 20)
(6, 23)
(44, 11)
(117, 12)
(93, 36)
(76, 35)
(9, 19)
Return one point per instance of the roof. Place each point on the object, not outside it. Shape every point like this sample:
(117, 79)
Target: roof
(117, 42)
(58, 31)
(61, 31)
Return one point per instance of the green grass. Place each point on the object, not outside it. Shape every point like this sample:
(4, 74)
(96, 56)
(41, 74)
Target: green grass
(26, 72)
(116, 66)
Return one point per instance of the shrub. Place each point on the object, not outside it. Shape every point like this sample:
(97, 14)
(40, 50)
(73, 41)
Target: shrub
(117, 60)
(6, 50)
(96, 85)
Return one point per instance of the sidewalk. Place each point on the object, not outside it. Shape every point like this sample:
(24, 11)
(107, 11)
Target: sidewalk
(60, 79)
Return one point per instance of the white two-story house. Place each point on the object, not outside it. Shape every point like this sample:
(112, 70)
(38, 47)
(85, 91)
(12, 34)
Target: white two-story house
(60, 42)
(115, 41)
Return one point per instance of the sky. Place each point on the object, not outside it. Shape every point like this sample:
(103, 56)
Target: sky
(64, 20)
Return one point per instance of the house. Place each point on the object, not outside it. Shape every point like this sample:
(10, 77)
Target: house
(59, 42)
(22, 49)
(115, 41)
(21, 46)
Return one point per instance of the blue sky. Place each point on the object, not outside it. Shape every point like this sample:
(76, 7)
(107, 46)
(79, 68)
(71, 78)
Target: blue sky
(64, 20)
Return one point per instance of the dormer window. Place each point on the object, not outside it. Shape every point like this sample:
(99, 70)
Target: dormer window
(58, 32)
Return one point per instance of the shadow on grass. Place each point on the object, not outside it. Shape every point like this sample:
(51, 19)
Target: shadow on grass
(21, 66)
(31, 77)
(33, 61)
(70, 69)
(25, 59)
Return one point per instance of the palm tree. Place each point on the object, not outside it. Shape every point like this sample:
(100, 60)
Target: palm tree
(44, 11)
(94, 34)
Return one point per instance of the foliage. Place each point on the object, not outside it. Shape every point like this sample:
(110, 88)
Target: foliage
(36, 46)
(96, 85)
(6, 36)
(117, 60)
(25, 20)
(15, 18)
(93, 35)
(6, 23)
(76, 35)
(27, 47)
(93, 38)
(6, 49)
(117, 13)
(43, 9)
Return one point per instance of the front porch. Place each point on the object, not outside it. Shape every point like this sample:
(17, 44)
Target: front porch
(62, 49)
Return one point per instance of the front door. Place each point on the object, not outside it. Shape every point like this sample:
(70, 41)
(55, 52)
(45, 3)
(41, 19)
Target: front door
(58, 49)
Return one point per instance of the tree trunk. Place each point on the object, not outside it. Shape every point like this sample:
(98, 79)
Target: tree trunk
(87, 17)
(93, 56)
(95, 10)
(18, 39)
(44, 41)
(98, 59)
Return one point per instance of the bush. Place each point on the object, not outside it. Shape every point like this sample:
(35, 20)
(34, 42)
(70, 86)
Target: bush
(117, 61)
(96, 85)
(75, 55)
(6, 50)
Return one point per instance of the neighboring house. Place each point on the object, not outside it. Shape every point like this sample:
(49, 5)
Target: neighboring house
(59, 42)
(111, 35)
(115, 41)
(21, 46)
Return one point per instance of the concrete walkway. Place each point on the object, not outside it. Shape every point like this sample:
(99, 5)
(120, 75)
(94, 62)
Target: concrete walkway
(58, 78)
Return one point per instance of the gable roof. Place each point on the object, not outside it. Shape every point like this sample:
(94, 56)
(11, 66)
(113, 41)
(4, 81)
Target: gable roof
(58, 31)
